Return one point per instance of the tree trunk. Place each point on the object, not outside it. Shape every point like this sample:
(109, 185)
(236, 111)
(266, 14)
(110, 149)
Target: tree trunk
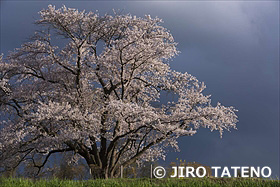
(97, 172)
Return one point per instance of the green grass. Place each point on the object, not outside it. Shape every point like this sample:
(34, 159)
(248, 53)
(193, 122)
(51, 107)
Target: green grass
(197, 182)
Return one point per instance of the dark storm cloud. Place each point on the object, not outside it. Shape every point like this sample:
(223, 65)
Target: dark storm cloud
(232, 46)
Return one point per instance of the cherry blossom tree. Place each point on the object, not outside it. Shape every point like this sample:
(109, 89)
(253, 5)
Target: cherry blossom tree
(92, 85)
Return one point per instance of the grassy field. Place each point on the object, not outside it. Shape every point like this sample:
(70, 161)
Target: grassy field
(203, 182)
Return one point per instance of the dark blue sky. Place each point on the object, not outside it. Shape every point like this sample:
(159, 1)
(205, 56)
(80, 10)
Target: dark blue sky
(232, 46)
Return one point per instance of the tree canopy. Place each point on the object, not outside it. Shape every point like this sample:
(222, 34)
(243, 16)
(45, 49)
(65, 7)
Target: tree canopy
(92, 85)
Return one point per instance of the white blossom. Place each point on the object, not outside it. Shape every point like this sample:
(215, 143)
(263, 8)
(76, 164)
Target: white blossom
(99, 96)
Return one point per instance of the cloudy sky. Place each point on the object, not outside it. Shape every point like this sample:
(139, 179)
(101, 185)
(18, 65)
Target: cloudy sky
(231, 46)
